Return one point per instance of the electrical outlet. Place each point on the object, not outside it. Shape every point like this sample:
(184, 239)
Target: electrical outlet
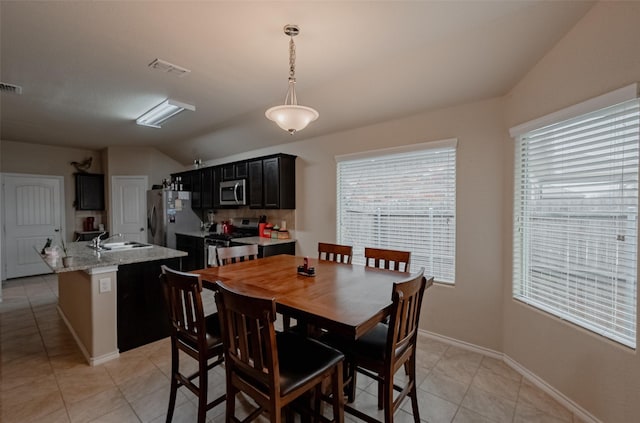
(105, 285)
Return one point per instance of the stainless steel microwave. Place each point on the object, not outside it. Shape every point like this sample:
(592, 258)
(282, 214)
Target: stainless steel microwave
(233, 193)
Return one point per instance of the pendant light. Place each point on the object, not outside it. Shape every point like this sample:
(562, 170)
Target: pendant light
(292, 117)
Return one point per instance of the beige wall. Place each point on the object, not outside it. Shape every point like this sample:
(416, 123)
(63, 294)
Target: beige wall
(124, 161)
(38, 159)
(472, 309)
(600, 54)
(16, 157)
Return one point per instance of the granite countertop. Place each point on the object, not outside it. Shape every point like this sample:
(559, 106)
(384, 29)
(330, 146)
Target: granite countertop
(265, 242)
(86, 258)
(197, 234)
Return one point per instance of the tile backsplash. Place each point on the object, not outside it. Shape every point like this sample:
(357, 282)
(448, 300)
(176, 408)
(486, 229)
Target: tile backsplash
(276, 217)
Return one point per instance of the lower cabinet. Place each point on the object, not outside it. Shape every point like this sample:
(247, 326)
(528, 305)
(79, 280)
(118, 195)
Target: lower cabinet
(142, 312)
(194, 246)
(273, 250)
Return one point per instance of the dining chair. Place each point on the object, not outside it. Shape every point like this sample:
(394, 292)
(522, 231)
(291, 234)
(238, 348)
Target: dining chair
(381, 352)
(387, 259)
(273, 369)
(335, 252)
(228, 255)
(193, 333)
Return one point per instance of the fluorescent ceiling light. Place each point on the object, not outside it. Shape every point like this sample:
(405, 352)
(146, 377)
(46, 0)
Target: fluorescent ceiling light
(162, 112)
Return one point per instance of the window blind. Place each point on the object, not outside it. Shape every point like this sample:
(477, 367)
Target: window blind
(401, 201)
(575, 220)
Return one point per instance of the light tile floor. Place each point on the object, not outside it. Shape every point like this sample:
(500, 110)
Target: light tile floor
(44, 378)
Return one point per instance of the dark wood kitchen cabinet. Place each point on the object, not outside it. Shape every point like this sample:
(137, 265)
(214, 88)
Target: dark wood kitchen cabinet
(142, 313)
(208, 183)
(279, 182)
(89, 191)
(232, 171)
(272, 182)
(217, 177)
(255, 184)
(194, 246)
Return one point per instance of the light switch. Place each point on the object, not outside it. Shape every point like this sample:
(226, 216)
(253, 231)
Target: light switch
(105, 285)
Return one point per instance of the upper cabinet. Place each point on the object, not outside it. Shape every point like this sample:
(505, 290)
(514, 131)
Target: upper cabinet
(233, 171)
(272, 180)
(89, 191)
(255, 184)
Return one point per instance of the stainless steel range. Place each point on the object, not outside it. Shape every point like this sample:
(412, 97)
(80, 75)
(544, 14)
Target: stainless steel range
(242, 228)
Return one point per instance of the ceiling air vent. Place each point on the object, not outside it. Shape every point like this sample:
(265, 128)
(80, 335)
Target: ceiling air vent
(10, 88)
(170, 68)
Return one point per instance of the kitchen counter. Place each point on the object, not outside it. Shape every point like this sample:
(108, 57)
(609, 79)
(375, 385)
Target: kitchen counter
(197, 234)
(263, 242)
(112, 301)
(86, 258)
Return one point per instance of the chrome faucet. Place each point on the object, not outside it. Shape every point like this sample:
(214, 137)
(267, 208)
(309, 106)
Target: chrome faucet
(96, 242)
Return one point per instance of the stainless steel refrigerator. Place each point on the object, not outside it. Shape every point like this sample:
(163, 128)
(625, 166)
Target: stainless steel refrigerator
(169, 212)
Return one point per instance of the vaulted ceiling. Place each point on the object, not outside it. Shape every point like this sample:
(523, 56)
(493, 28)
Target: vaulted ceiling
(83, 66)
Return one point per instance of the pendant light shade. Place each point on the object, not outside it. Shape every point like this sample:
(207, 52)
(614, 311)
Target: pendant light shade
(292, 117)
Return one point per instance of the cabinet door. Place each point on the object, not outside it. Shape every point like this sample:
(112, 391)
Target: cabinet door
(195, 179)
(233, 171)
(271, 182)
(207, 188)
(193, 246)
(89, 191)
(241, 170)
(142, 312)
(228, 172)
(255, 184)
(217, 177)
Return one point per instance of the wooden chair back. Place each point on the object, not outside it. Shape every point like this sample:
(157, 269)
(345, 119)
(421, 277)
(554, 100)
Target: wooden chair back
(388, 259)
(184, 300)
(193, 333)
(228, 255)
(249, 337)
(405, 315)
(335, 252)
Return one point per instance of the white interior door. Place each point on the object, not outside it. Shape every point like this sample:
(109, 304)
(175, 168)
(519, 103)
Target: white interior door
(33, 210)
(129, 207)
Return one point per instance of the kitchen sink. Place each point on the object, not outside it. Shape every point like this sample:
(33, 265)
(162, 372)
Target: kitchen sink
(121, 246)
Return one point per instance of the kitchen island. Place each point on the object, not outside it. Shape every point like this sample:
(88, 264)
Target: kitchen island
(112, 301)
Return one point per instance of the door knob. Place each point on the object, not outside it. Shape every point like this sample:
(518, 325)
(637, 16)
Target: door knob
(56, 230)
(141, 229)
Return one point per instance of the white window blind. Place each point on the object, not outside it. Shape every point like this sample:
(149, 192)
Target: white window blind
(402, 201)
(575, 217)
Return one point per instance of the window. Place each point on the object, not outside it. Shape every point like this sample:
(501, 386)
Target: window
(401, 199)
(575, 219)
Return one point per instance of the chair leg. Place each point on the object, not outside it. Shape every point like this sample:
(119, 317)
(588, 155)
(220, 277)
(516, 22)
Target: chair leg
(352, 368)
(230, 411)
(381, 393)
(387, 388)
(338, 397)
(203, 385)
(411, 368)
(174, 382)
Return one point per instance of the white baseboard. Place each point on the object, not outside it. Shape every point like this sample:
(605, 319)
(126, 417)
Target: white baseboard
(532, 377)
(93, 361)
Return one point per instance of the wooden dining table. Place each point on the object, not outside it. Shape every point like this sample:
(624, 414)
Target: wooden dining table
(346, 299)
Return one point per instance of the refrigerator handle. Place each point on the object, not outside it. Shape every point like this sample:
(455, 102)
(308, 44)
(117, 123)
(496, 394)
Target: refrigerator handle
(151, 222)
